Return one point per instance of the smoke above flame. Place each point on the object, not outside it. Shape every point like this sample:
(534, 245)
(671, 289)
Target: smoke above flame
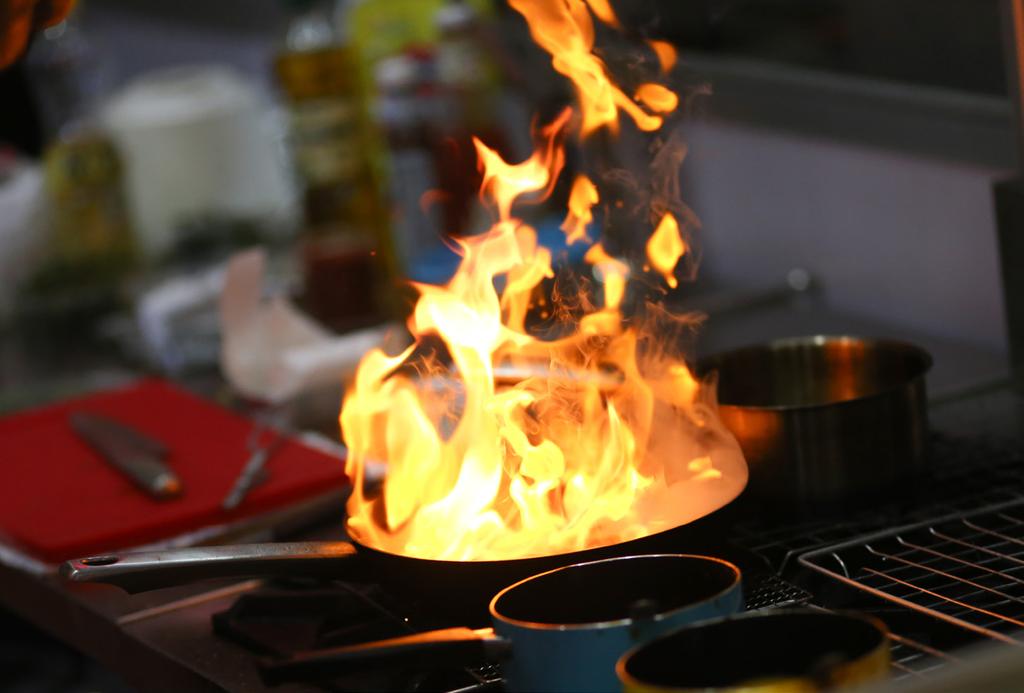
(510, 445)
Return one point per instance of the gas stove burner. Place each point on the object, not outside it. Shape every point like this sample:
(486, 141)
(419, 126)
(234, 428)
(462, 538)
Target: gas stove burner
(285, 620)
(279, 621)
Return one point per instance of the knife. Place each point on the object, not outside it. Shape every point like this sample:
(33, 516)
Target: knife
(134, 454)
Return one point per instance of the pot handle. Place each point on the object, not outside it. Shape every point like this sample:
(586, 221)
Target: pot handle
(149, 570)
(449, 647)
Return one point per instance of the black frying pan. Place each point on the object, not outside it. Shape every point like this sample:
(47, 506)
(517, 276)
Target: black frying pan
(462, 587)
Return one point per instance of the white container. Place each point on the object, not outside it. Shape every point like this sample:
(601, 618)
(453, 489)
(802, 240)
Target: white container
(197, 140)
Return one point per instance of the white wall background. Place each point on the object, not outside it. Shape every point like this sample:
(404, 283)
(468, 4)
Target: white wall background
(892, 236)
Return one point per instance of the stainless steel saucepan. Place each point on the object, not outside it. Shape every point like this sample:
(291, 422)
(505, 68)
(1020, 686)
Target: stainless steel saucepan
(825, 420)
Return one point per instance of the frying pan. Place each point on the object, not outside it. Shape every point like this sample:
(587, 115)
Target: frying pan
(561, 630)
(460, 588)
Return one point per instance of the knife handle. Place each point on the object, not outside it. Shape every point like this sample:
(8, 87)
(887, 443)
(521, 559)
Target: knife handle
(138, 457)
(148, 473)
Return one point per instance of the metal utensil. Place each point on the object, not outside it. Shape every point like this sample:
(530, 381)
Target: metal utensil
(254, 470)
(134, 454)
(825, 420)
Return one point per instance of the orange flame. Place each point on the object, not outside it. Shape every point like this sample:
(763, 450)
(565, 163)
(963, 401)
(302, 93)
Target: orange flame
(582, 199)
(524, 446)
(565, 29)
(505, 182)
(603, 11)
(657, 98)
(612, 272)
(666, 53)
(665, 247)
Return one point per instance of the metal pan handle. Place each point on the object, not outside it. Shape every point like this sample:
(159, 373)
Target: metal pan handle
(149, 570)
(450, 647)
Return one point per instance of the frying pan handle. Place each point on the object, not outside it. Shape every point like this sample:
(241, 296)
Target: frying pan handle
(450, 647)
(149, 570)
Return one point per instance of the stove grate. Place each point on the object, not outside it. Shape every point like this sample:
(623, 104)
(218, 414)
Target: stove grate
(966, 473)
(770, 591)
(966, 569)
(913, 659)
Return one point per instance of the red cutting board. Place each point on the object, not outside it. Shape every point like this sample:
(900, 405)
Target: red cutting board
(60, 500)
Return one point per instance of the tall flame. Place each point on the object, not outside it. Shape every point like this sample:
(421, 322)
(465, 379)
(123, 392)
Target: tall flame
(565, 29)
(597, 437)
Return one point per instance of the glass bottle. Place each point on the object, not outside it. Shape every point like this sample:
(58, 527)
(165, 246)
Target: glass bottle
(467, 86)
(92, 240)
(346, 245)
(402, 113)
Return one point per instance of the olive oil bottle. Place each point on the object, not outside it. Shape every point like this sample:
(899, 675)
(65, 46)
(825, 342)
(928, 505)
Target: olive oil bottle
(346, 245)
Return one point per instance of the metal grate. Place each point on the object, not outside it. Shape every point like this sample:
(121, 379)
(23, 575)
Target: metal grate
(913, 659)
(770, 591)
(966, 474)
(966, 569)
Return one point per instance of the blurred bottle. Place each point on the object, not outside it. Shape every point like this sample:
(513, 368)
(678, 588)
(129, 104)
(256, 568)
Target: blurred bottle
(346, 248)
(463, 68)
(403, 115)
(84, 179)
(383, 28)
(92, 240)
(468, 97)
(71, 75)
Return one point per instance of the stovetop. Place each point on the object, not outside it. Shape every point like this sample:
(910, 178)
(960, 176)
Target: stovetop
(968, 473)
(290, 617)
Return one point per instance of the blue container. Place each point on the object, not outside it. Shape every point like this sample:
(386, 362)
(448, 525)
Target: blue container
(567, 627)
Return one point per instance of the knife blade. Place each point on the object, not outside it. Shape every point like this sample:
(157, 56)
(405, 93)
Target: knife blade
(137, 456)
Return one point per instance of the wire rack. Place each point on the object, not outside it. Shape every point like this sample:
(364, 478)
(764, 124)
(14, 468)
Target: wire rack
(975, 558)
(965, 569)
(914, 659)
(966, 474)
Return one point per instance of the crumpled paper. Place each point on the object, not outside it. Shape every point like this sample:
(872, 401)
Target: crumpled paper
(270, 351)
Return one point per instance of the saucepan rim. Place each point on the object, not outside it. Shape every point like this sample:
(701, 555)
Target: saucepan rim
(717, 362)
(880, 650)
(734, 583)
